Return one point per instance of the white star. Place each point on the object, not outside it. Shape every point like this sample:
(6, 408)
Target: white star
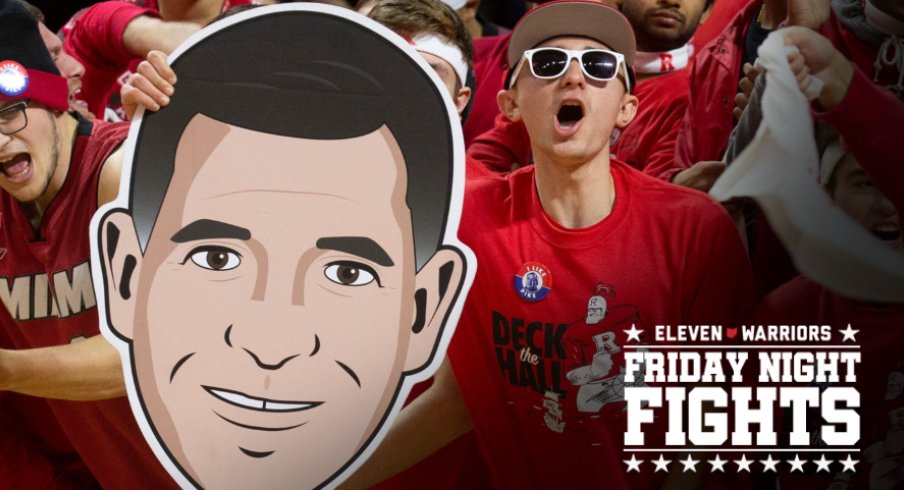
(797, 464)
(822, 463)
(848, 334)
(849, 463)
(633, 463)
(633, 333)
(769, 464)
(743, 463)
(718, 464)
(662, 464)
(690, 464)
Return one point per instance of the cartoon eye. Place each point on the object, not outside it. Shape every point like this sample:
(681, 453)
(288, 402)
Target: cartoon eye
(350, 274)
(215, 258)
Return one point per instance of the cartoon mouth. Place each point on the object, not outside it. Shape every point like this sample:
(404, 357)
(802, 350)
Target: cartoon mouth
(16, 167)
(569, 114)
(261, 404)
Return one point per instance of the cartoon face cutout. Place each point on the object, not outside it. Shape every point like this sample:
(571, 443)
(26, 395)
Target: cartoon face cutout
(276, 308)
(296, 326)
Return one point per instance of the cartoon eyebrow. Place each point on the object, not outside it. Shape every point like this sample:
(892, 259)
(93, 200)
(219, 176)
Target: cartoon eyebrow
(357, 245)
(204, 229)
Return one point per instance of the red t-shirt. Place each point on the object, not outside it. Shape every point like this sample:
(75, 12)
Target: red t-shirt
(539, 350)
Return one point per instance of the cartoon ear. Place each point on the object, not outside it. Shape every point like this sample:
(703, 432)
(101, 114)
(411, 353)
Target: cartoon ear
(438, 284)
(120, 259)
(508, 105)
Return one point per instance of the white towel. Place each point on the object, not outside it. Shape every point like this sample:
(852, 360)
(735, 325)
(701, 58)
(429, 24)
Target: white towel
(779, 170)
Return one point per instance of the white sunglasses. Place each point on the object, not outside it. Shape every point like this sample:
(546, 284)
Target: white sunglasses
(549, 63)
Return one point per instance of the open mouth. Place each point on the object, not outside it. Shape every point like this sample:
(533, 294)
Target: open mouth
(887, 233)
(16, 167)
(261, 404)
(569, 115)
(75, 101)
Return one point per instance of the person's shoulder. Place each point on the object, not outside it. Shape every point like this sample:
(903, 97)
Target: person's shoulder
(658, 194)
(113, 130)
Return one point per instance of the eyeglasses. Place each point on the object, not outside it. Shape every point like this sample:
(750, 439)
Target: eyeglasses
(13, 118)
(549, 63)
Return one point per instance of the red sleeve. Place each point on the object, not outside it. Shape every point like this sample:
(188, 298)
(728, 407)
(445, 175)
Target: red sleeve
(505, 143)
(660, 161)
(95, 39)
(684, 137)
(870, 118)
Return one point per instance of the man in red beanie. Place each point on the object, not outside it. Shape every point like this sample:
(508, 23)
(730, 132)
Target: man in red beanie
(55, 170)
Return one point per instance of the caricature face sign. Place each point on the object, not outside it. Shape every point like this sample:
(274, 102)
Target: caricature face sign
(278, 300)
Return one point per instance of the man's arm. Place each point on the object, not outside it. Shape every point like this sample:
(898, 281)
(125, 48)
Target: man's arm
(145, 33)
(850, 103)
(85, 370)
(431, 421)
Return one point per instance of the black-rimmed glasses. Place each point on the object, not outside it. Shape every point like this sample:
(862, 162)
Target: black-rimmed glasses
(13, 118)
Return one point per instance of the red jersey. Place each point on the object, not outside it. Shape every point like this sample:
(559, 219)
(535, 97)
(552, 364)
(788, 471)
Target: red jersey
(539, 350)
(34, 450)
(48, 299)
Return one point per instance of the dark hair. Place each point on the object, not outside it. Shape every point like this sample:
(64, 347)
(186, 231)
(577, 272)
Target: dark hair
(305, 75)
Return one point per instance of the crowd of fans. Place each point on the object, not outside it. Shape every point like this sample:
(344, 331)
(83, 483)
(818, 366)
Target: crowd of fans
(594, 173)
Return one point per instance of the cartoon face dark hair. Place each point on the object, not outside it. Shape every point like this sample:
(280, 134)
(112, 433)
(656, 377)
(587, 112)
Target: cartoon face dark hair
(317, 83)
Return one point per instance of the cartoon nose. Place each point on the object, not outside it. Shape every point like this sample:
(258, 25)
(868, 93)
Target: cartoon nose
(267, 365)
(269, 350)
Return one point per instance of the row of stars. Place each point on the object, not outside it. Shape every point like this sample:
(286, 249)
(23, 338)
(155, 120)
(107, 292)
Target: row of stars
(718, 464)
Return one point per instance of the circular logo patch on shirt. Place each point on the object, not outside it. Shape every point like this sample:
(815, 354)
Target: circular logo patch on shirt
(13, 78)
(533, 281)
